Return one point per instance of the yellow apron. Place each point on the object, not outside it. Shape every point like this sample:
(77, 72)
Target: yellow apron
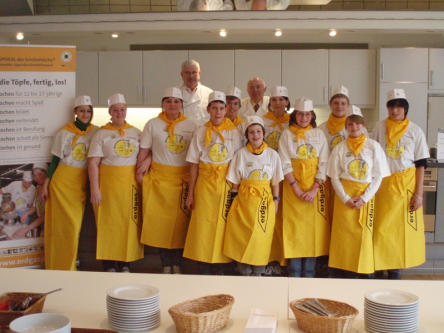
(63, 217)
(277, 247)
(208, 219)
(250, 224)
(351, 244)
(118, 215)
(399, 232)
(306, 228)
(165, 218)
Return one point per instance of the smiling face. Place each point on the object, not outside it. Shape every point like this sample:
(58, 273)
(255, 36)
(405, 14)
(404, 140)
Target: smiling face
(172, 106)
(303, 119)
(84, 113)
(217, 112)
(278, 105)
(339, 106)
(118, 114)
(256, 89)
(233, 106)
(255, 135)
(354, 128)
(190, 76)
(396, 113)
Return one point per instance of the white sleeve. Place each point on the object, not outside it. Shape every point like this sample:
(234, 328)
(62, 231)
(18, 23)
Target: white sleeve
(146, 139)
(372, 188)
(333, 171)
(323, 158)
(193, 154)
(421, 148)
(233, 174)
(95, 148)
(284, 153)
(380, 170)
(238, 141)
(339, 190)
(278, 175)
(57, 146)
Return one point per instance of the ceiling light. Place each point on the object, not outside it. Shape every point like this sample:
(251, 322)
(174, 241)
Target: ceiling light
(332, 32)
(20, 36)
(223, 33)
(115, 35)
(278, 32)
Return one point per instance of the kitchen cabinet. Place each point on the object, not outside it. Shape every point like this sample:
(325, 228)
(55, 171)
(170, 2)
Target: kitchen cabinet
(121, 72)
(251, 63)
(161, 69)
(87, 75)
(356, 70)
(404, 65)
(305, 73)
(436, 70)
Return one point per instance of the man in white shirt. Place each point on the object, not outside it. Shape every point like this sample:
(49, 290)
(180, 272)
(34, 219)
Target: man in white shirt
(195, 95)
(256, 104)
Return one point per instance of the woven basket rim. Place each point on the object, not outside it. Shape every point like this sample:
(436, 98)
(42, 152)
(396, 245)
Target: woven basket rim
(354, 314)
(173, 309)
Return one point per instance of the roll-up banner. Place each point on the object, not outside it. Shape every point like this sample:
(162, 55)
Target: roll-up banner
(37, 88)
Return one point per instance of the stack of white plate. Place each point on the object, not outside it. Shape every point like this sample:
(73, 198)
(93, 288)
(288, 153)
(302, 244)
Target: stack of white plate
(133, 308)
(391, 311)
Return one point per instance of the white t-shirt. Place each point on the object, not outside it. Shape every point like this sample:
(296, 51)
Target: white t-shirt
(216, 152)
(195, 103)
(410, 148)
(246, 165)
(247, 108)
(370, 166)
(23, 199)
(72, 155)
(115, 149)
(314, 145)
(165, 150)
(273, 134)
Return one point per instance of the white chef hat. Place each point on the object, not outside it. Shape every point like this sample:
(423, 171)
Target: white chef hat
(217, 96)
(303, 104)
(341, 90)
(234, 91)
(353, 109)
(172, 92)
(82, 100)
(396, 93)
(40, 165)
(251, 120)
(27, 176)
(277, 91)
(116, 99)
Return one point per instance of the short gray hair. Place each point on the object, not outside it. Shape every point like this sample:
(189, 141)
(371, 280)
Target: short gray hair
(190, 62)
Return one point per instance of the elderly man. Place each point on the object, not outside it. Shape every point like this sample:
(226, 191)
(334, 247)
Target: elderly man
(256, 103)
(195, 95)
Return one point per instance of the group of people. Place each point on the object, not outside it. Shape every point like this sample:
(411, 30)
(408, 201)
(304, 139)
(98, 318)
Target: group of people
(219, 179)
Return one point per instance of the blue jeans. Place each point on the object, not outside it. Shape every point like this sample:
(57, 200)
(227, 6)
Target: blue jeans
(301, 267)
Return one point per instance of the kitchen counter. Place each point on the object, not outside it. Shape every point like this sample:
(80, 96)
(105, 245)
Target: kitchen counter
(83, 296)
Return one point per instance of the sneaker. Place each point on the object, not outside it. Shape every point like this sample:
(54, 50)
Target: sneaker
(176, 269)
(269, 270)
(111, 270)
(277, 270)
(166, 270)
(125, 269)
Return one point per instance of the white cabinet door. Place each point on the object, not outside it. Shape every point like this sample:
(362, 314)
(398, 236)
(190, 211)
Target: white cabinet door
(87, 75)
(121, 72)
(251, 63)
(161, 69)
(436, 119)
(416, 96)
(354, 69)
(216, 67)
(436, 70)
(305, 73)
(404, 65)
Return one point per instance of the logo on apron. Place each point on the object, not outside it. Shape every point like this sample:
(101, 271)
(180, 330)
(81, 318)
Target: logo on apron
(176, 144)
(321, 201)
(227, 201)
(258, 175)
(183, 198)
(411, 214)
(124, 148)
(262, 213)
(370, 214)
(273, 139)
(338, 138)
(135, 204)
(395, 152)
(79, 152)
(306, 151)
(218, 152)
(358, 169)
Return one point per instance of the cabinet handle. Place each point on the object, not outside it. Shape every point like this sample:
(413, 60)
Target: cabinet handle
(382, 72)
(431, 78)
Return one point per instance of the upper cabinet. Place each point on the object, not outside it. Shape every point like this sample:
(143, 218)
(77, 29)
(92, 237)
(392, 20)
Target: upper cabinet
(305, 73)
(87, 75)
(121, 72)
(436, 70)
(405, 65)
(354, 69)
(251, 63)
(161, 69)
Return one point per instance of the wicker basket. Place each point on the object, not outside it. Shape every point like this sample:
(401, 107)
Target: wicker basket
(205, 314)
(310, 323)
(7, 316)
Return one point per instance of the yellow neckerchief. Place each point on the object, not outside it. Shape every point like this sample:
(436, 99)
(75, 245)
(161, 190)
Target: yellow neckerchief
(225, 125)
(335, 125)
(356, 144)
(120, 129)
(299, 131)
(394, 130)
(278, 121)
(71, 127)
(171, 123)
(24, 189)
(237, 121)
(257, 151)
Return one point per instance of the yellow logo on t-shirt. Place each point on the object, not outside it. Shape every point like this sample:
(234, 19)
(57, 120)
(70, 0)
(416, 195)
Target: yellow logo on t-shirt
(124, 148)
(273, 139)
(306, 151)
(395, 152)
(20, 202)
(257, 175)
(176, 144)
(79, 152)
(338, 138)
(358, 169)
(218, 152)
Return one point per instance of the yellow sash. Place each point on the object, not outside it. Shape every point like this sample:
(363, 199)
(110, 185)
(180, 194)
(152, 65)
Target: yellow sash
(63, 217)
(165, 218)
(171, 123)
(335, 125)
(237, 121)
(284, 119)
(399, 231)
(250, 224)
(299, 131)
(394, 130)
(356, 144)
(259, 150)
(351, 244)
(225, 125)
(118, 216)
(71, 127)
(208, 219)
(121, 129)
